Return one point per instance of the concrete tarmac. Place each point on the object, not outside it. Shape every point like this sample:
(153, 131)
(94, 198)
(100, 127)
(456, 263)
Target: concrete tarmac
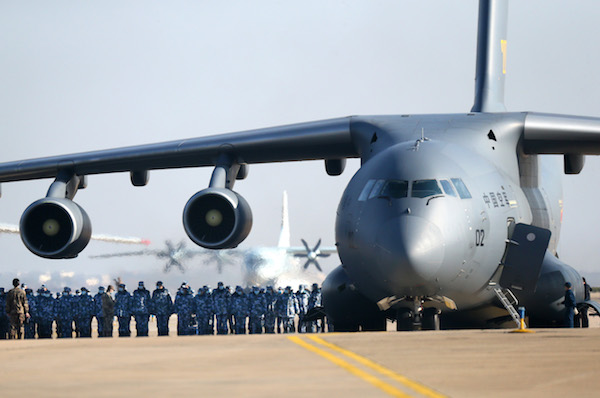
(468, 363)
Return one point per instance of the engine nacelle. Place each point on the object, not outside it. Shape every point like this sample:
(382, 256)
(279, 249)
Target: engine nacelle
(55, 228)
(217, 218)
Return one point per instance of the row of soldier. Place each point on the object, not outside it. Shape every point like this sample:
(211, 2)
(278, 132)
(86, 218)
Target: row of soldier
(228, 311)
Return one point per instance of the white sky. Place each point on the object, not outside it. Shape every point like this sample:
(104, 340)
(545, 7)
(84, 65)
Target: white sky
(78, 76)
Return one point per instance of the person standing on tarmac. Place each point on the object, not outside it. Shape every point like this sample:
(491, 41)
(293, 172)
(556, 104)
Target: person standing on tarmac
(140, 307)
(4, 323)
(162, 307)
(583, 313)
(85, 312)
(108, 310)
(570, 305)
(98, 311)
(46, 312)
(220, 298)
(17, 309)
(123, 310)
(29, 325)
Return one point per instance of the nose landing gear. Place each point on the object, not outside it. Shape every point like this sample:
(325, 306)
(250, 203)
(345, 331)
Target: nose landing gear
(416, 317)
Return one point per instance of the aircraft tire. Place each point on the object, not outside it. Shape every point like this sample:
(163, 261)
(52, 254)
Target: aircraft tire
(404, 321)
(431, 319)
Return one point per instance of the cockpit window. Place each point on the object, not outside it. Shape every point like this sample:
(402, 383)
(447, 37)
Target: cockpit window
(462, 189)
(447, 187)
(376, 189)
(366, 190)
(425, 188)
(394, 189)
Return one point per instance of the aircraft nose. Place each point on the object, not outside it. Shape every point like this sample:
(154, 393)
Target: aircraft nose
(412, 249)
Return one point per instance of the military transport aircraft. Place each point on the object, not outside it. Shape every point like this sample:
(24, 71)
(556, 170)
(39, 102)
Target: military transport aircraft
(450, 215)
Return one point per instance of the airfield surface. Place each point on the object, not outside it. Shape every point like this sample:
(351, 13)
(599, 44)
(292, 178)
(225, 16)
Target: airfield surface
(468, 363)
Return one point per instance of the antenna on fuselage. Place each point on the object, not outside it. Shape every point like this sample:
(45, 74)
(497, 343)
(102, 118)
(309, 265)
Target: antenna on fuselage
(490, 69)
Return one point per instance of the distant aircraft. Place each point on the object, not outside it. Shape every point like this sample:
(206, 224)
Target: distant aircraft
(455, 215)
(262, 265)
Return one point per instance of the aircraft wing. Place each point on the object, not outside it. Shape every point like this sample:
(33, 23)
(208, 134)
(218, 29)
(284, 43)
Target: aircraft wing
(327, 139)
(561, 134)
(301, 251)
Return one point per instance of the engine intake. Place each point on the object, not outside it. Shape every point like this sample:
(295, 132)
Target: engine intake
(217, 218)
(55, 228)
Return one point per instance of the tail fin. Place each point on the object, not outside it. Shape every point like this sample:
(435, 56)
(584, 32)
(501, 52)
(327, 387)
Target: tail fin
(284, 235)
(491, 56)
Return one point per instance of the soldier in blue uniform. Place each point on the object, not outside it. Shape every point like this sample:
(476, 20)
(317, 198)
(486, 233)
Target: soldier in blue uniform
(220, 298)
(257, 308)
(204, 310)
(140, 307)
(314, 300)
(4, 322)
(288, 307)
(123, 310)
(162, 307)
(302, 296)
(184, 307)
(85, 312)
(65, 314)
(570, 305)
(239, 310)
(30, 322)
(278, 309)
(98, 311)
(46, 310)
(270, 310)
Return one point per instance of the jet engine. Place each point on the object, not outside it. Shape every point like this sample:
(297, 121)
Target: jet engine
(217, 218)
(55, 228)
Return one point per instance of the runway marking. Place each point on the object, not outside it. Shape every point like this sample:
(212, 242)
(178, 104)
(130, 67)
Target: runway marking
(387, 388)
(418, 387)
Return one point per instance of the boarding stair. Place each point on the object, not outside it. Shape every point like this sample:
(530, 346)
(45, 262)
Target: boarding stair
(508, 300)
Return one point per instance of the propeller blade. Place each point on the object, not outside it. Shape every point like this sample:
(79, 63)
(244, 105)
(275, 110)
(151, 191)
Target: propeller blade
(307, 263)
(317, 246)
(318, 266)
(305, 245)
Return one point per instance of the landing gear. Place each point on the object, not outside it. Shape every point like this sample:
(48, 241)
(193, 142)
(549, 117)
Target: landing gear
(431, 319)
(417, 318)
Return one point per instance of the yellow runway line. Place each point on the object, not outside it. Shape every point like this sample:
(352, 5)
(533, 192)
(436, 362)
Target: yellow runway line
(418, 387)
(387, 388)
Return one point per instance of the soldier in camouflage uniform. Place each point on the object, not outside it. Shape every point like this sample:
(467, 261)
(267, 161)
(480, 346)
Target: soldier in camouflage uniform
(220, 298)
(185, 308)
(17, 310)
(140, 307)
(204, 310)
(270, 310)
(288, 307)
(86, 308)
(302, 296)
(65, 314)
(123, 310)
(162, 307)
(239, 309)
(314, 300)
(46, 313)
(278, 309)
(4, 323)
(98, 311)
(257, 308)
(31, 321)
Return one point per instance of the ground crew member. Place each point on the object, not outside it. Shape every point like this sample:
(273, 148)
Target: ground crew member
(257, 306)
(314, 300)
(65, 313)
(17, 309)
(302, 296)
(585, 322)
(270, 310)
(204, 310)
(570, 305)
(221, 306)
